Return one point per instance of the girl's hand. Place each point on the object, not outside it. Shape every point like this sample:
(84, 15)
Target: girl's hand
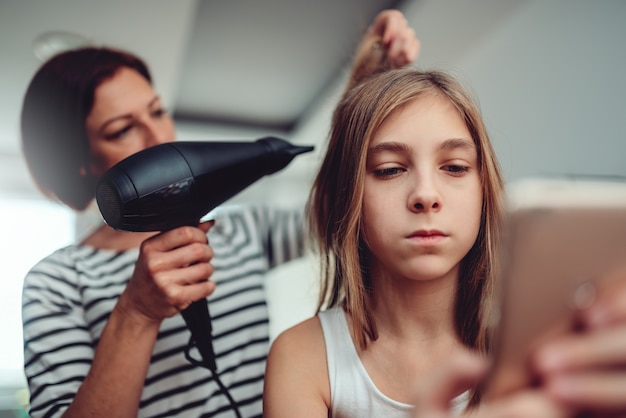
(172, 271)
(587, 369)
(435, 393)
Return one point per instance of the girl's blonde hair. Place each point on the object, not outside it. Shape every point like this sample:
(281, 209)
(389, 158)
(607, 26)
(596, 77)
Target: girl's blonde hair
(335, 203)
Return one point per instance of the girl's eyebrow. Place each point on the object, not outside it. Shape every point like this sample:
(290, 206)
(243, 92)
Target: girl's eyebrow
(454, 143)
(390, 146)
(448, 144)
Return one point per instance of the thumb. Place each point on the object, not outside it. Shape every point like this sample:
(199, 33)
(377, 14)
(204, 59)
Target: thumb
(434, 394)
(207, 225)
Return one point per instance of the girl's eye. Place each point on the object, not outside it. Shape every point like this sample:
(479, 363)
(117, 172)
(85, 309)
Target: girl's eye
(456, 170)
(385, 173)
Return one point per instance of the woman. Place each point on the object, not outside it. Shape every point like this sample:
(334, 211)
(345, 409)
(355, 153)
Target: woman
(102, 334)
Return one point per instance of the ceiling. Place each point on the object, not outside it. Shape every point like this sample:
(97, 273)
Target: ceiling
(252, 63)
(244, 62)
(258, 64)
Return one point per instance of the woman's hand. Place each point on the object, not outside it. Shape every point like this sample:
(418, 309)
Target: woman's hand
(388, 43)
(587, 369)
(172, 271)
(395, 34)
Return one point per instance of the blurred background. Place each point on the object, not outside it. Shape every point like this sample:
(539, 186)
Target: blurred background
(549, 77)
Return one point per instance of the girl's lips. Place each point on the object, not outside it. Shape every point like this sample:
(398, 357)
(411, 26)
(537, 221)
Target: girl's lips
(433, 233)
(427, 237)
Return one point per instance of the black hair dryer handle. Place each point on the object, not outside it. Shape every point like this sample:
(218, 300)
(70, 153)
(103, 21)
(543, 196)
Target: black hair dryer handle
(198, 321)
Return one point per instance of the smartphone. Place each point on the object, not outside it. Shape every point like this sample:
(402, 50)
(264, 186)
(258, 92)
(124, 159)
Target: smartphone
(562, 237)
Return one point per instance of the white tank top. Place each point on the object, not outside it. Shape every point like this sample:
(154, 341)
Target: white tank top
(353, 394)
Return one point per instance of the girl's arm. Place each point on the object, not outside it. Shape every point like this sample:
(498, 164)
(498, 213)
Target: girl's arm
(296, 377)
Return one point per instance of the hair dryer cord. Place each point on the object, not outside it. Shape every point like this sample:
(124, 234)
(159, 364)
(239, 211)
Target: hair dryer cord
(223, 389)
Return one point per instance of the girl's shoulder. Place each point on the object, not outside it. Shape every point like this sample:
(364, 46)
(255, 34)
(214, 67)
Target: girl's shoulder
(307, 333)
(296, 369)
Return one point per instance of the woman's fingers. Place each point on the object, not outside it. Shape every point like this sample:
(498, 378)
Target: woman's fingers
(172, 271)
(397, 36)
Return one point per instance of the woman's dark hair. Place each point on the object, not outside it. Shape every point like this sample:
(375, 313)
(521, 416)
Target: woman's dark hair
(58, 100)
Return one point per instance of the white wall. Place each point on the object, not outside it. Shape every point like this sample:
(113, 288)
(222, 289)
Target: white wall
(551, 84)
(549, 77)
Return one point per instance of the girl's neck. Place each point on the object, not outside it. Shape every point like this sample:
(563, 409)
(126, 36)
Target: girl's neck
(406, 308)
(416, 333)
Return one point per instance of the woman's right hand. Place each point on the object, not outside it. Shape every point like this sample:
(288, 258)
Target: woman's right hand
(171, 272)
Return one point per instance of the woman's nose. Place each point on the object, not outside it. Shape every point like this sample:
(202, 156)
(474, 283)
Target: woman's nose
(155, 133)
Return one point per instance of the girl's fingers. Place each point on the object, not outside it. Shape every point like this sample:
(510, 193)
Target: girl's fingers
(525, 404)
(598, 391)
(609, 306)
(575, 352)
(433, 395)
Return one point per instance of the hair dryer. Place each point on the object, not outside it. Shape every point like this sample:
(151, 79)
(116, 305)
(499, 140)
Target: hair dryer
(177, 183)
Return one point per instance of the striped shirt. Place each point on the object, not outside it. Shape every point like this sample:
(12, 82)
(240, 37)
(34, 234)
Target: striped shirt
(69, 295)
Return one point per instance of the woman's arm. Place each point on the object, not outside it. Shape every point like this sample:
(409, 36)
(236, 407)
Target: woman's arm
(296, 376)
(172, 270)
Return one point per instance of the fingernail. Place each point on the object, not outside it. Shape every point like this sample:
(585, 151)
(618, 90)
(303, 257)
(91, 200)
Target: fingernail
(597, 316)
(550, 359)
(563, 388)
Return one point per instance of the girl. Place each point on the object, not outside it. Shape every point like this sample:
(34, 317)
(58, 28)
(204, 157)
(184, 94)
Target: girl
(406, 210)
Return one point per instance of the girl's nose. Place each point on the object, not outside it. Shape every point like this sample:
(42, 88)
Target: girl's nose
(424, 196)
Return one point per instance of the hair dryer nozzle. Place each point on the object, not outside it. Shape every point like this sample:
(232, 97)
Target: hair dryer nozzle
(301, 150)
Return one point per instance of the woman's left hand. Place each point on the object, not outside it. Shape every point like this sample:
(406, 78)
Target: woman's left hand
(388, 43)
(392, 28)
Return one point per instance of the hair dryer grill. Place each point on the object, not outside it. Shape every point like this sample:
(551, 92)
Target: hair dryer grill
(175, 184)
